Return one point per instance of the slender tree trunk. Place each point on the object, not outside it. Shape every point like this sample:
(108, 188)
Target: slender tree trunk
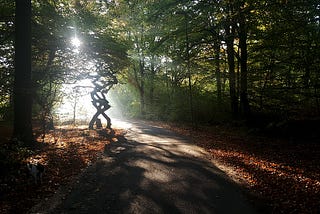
(142, 103)
(244, 102)
(231, 65)
(153, 73)
(22, 90)
(224, 73)
(141, 88)
(192, 115)
(218, 72)
(74, 110)
(238, 81)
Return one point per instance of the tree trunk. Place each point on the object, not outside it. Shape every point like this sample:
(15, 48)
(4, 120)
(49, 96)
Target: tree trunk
(101, 104)
(192, 113)
(232, 77)
(141, 89)
(22, 90)
(244, 102)
(75, 101)
(153, 73)
(218, 72)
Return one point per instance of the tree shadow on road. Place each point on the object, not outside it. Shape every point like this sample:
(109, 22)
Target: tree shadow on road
(148, 177)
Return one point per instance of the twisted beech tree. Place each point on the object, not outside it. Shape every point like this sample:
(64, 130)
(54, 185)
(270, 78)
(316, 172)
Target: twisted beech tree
(102, 85)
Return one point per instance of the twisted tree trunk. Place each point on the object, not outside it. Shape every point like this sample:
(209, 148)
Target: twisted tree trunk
(99, 99)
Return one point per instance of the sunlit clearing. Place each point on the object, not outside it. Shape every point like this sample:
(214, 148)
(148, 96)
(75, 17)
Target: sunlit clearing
(76, 106)
(76, 102)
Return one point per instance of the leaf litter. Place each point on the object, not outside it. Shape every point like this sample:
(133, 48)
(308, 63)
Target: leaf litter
(285, 175)
(64, 152)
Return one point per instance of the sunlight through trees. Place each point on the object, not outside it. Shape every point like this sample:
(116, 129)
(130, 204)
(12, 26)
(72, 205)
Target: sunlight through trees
(218, 61)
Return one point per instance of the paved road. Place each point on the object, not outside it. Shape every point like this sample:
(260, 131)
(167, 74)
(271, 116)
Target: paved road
(153, 170)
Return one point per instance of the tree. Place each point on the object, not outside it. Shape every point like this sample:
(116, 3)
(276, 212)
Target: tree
(230, 44)
(230, 37)
(244, 102)
(22, 78)
(102, 85)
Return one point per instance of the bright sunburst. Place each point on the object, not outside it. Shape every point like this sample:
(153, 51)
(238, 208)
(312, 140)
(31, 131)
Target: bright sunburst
(76, 42)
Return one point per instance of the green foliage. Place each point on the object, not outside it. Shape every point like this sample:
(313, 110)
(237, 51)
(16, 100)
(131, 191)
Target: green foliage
(6, 57)
(283, 58)
(153, 46)
(284, 61)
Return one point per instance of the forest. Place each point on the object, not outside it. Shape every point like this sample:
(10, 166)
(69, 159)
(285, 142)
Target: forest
(234, 67)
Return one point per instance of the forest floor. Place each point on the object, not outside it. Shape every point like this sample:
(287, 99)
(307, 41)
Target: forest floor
(281, 173)
(65, 153)
(151, 170)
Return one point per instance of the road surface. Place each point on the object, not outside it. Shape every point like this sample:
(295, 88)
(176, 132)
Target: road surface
(153, 170)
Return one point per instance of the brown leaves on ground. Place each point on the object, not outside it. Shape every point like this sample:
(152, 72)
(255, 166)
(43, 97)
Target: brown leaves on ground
(284, 174)
(64, 152)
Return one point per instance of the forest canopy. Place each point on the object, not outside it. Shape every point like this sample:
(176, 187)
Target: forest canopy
(191, 61)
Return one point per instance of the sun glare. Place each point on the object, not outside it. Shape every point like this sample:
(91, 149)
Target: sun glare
(76, 101)
(75, 41)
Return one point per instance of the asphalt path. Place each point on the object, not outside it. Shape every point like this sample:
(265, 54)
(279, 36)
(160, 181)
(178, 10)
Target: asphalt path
(152, 170)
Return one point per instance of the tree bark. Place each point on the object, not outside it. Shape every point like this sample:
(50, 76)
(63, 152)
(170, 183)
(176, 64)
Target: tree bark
(22, 90)
(141, 88)
(192, 113)
(153, 73)
(218, 72)
(230, 34)
(75, 101)
(244, 102)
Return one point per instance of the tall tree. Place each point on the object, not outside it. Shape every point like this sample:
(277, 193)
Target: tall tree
(244, 102)
(22, 77)
(230, 37)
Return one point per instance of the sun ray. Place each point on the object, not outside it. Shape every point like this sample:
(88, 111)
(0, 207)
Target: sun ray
(76, 42)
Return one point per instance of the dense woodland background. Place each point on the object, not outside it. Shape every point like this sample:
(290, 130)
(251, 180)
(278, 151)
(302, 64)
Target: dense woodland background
(190, 61)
